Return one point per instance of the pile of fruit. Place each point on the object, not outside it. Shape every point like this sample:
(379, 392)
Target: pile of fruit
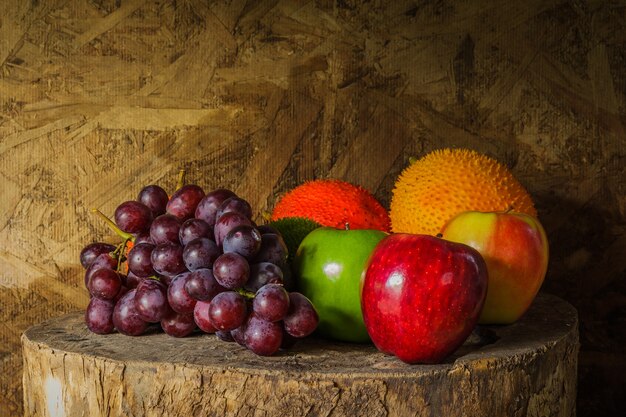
(191, 261)
(460, 246)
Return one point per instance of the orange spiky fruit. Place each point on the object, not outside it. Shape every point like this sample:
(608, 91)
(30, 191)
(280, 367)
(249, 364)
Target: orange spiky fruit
(447, 182)
(333, 203)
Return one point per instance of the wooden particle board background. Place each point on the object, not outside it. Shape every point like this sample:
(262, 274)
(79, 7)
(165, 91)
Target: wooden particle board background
(101, 97)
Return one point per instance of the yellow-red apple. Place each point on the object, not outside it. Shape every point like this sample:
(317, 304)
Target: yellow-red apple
(515, 248)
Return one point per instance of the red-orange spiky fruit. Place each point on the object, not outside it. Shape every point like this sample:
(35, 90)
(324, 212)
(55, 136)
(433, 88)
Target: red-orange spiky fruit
(333, 203)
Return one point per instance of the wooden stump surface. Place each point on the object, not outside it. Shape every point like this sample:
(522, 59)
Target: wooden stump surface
(525, 369)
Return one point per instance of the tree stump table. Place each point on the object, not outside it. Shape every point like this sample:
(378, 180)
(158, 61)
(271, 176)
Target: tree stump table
(524, 369)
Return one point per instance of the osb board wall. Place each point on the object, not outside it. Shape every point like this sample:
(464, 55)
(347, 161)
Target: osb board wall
(101, 97)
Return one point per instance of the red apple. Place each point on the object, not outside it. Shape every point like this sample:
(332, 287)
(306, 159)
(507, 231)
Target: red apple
(422, 296)
(515, 248)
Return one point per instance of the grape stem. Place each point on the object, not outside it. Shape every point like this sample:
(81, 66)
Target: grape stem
(113, 226)
(121, 254)
(247, 294)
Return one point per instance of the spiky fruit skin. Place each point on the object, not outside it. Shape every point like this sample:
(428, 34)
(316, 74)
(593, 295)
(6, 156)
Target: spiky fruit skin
(446, 182)
(294, 230)
(333, 203)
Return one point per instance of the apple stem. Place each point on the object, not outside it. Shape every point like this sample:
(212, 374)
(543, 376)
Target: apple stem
(347, 226)
(439, 235)
(113, 226)
(509, 210)
(181, 179)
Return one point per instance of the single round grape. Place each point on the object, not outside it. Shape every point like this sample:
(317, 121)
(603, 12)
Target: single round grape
(266, 228)
(99, 316)
(263, 337)
(155, 198)
(104, 284)
(192, 229)
(143, 237)
(151, 301)
(104, 260)
(125, 317)
(302, 318)
(271, 302)
(122, 293)
(224, 335)
(184, 201)
(200, 253)
(131, 280)
(227, 311)
(201, 316)
(202, 286)
(165, 229)
(228, 222)
(92, 251)
(244, 240)
(235, 204)
(133, 217)
(139, 260)
(167, 259)
(273, 249)
(177, 296)
(263, 273)
(208, 206)
(178, 325)
(231, 270)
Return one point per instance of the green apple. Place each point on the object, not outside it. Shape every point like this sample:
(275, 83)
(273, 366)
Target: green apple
(329, 267)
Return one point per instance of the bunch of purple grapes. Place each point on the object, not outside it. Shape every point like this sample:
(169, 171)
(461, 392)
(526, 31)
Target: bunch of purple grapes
(197, 261)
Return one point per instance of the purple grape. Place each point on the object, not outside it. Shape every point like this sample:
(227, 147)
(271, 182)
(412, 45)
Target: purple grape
(104, 284)
(266, 228)
(231, 270)
(125, 317)
(244, 240)
(239, 334)
(151, 301)
(224, 335)
(139, 260)
(99, 316)
(133, 217)
(155, 198)
(184, 201)
(200, 253)
(165, 229)
(271, 302)
(228, 222)
(143, 237)
(202, 286)
(263, 337)
(227, 311)
(201, 316)
(273, 249)
(208, 206)
(104, 260)
(92, 251)
(301, 319)
(177, 296)
(178, 325)
(167, 259)
(261, 274)
(235, 204)
(132, 280)
(192, 229)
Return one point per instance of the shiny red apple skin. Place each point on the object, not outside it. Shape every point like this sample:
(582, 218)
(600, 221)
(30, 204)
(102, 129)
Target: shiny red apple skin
(515, 248)
(422, 295)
